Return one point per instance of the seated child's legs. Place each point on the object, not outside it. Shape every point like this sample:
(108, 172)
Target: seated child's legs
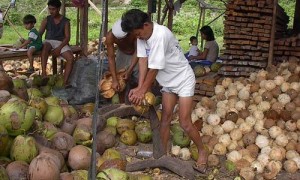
(30, 52)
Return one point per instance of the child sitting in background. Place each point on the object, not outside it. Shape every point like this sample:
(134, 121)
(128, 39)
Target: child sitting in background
(211, 48)
(194, 51)
(34, 41)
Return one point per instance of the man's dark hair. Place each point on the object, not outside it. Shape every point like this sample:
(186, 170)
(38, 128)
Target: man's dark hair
(29, 19)
(193, 38)
(54, 3)
(134, 19)
(208, 32)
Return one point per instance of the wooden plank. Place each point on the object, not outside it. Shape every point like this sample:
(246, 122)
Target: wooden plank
(296, 26)
(271, 50)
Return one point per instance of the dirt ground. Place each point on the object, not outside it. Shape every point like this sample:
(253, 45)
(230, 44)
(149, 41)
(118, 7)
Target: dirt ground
(214, 173)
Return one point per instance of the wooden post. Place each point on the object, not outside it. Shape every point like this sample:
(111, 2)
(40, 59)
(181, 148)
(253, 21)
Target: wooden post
(105, 30)
(158, 11)
(296, 26)
(170, 15)
(203, 22)
(84, 28)
(77, 26)
(150, 7)
(271, 50)
(199, 21)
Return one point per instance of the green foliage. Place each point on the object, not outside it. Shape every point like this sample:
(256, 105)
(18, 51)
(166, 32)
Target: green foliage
(185, 22)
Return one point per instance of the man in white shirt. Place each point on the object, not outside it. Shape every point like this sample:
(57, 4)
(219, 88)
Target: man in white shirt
(161, 57)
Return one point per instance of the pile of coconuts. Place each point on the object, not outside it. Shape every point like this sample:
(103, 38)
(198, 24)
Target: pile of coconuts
(254, 122)
(43, 137)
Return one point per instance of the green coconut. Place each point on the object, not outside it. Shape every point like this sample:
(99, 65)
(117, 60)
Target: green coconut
(199, 71)
(24, 148)
(115, 99)
(37, 80)
(194, 152)
(19, 83)
(80, 174)
(17, 117)
(33, 93)
(215, 67)
(59, 82)
(51, 80)
(3, 174)
(46, 90)
(82, 134)
(52, 100)
(112, 173)
(4, 139)
(88, 109)
(48, 130)
(181, 139)
(143, 131)
(54, 114)
(5, 152)
(125, 124)
(143, 177)
(128, 137)
(112, 121)
(111, 129)
(176, 128)
(38, 115)
(229, 165)
(73, 111)
(40, 104)
(111, 154)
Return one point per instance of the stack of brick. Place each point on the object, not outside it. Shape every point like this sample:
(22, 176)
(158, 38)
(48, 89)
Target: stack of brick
(247, 35)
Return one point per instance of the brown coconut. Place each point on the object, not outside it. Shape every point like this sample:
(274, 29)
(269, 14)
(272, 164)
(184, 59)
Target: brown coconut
(17, 170)
(105, 140)
(43, 167)
(291, 145)
(213, 160)
(5, 81)
(295, 115)
(79, 157)
(267, 96)
(113, 163)
(281, 124)
(63, 143)
(232, 116)
(68, 125)
(297, 101)
(254, 88)
(276, 91)
(253, 150)
(249, 138)
(292, 93)
(244, 113)
(269, 123)
(241, 164)
(285, 115)
(271, 114)
(290, 106)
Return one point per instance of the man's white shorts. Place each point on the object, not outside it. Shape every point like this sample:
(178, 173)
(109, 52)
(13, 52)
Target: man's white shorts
(55, 44)
(185, 89)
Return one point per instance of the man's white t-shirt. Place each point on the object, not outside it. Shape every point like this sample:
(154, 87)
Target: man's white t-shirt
(164, 53)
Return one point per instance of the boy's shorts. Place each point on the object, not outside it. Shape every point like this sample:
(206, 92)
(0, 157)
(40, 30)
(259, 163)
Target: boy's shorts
(55, 44)
(37, 48)
(185, 89)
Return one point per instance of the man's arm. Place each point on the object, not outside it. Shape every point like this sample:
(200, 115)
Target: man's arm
(111, 60)
(43, 27)
(134, 61)
(146, 79)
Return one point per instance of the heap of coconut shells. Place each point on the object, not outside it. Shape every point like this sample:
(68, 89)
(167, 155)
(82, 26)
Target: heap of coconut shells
(255, 122)
(105, 84)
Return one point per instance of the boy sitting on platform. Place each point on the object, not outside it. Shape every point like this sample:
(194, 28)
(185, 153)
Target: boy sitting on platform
(34, 41)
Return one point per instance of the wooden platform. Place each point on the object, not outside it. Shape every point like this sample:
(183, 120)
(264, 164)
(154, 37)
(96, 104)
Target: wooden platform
(8, 54)
(205, 86)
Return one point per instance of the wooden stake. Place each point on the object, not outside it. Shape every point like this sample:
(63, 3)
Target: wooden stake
(271, 50)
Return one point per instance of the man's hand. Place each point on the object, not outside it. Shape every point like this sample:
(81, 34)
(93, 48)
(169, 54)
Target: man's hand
(127, 75)
(115, 85)
(56, 52)
(136, 96)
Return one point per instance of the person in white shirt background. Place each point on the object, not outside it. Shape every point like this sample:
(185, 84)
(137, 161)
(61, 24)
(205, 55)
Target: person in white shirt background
(194, 51)
(161, 58)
